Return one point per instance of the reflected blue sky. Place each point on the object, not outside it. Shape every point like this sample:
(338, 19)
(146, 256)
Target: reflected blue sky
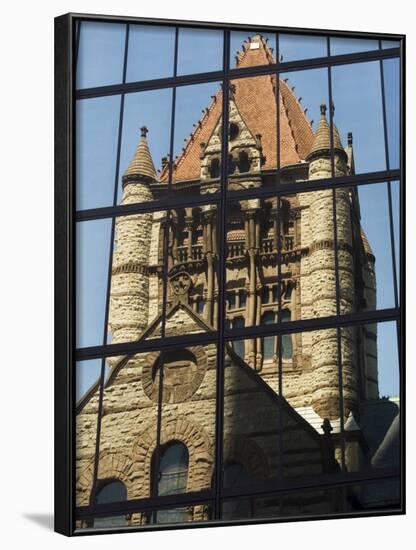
(151, 51)
(357, 99)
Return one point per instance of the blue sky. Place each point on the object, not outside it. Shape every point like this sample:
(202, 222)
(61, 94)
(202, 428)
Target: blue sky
(357, 99)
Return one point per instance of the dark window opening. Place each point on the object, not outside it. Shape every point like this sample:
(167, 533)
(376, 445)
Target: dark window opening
(234, 131)
(214, 168)
(243, 162)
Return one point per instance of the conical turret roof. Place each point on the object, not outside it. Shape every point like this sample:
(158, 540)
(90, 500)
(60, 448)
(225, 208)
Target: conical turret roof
(322, 138)
(141, 164)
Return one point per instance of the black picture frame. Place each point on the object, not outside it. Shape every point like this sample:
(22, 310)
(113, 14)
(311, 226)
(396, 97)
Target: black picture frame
(66, 216)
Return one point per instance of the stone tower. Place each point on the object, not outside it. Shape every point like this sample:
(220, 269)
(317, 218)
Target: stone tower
(129, 296)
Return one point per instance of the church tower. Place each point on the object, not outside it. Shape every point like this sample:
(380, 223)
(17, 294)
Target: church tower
(298, 230)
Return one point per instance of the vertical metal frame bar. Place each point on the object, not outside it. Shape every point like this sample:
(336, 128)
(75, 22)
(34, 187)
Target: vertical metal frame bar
(222, 233)
(64, 387)
(389, 195)
(168, 228)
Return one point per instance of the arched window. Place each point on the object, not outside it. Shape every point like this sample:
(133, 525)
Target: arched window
(243, 162)
(172, 479)
(113, 491)
(173, 469)
(214, 168)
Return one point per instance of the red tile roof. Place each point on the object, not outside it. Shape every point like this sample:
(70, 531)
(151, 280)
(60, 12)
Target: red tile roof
(256, 101)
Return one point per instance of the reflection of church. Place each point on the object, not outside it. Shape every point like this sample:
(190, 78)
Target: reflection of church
(266, 437)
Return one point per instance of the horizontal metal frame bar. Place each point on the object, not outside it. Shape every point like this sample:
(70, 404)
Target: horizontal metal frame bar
(233, 26)
(280, 189)
(260, 70)
(385, 511)
(284, 486)
(204, 338)
(142, 504)
(317, 323)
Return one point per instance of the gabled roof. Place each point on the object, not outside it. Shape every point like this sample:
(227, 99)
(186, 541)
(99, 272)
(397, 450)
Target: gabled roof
(152, 329)
(256, 102)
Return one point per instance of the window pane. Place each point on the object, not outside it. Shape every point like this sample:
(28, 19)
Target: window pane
(390, 44)
(380, 495)
(87, 376)
(364, 248)
(151, 52)
(252, 145)
(391, 70)
(358, 118)
(342, 46)
(137, 277)
(251, 48)
(145, 146)
(188, 414)
(395, 194)
(293, 47)
(197, 139)
(114, 491)
(329, 501)
(92, 261)
(128, 431)
(251, 443)
(371, 396)
(192, 271)
(251, 256)
(199, 51)
(310, 387)
(100, 54)
(87, 373)
(308, 278)
(267, 436)
(304, 129)
(97, 123)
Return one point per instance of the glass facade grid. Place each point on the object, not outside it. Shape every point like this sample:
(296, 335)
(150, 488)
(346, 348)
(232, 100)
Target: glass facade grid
(249, 265)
